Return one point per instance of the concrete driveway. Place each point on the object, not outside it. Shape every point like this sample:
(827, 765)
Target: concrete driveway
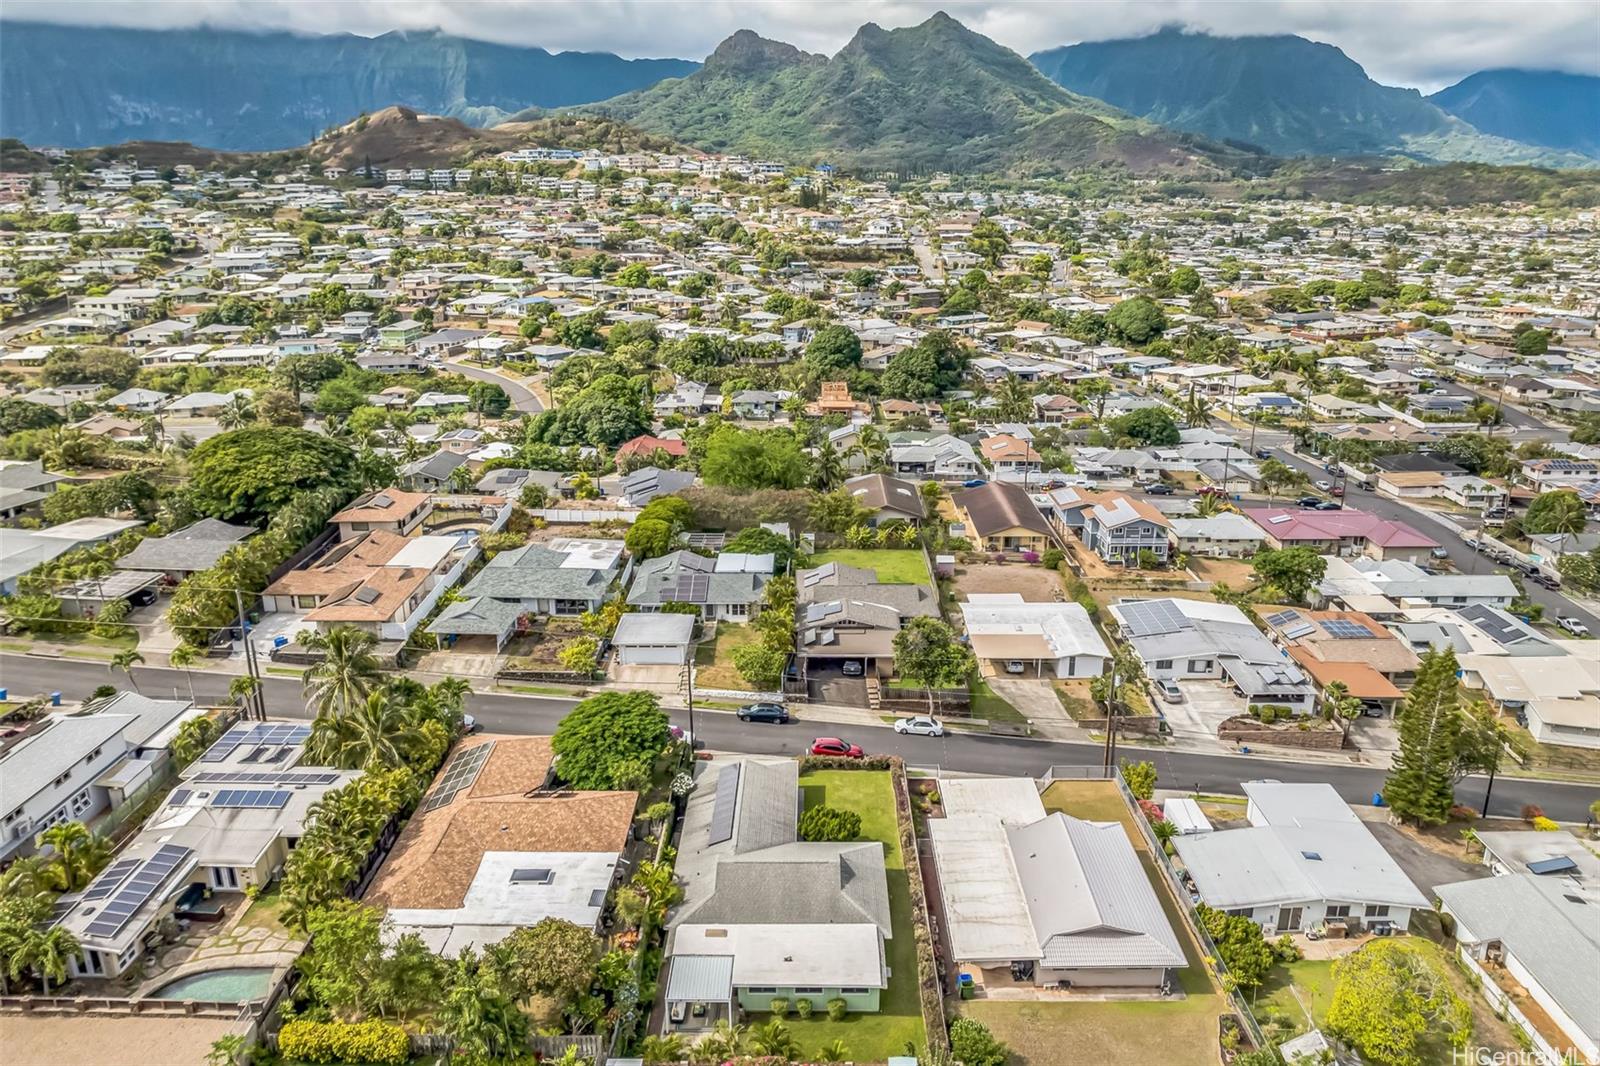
(1206, 705)
(1037, 702)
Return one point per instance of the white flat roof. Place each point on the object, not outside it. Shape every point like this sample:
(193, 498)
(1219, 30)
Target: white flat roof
(783, 956)
(986, 913)
(1012, 800)
(424, 553)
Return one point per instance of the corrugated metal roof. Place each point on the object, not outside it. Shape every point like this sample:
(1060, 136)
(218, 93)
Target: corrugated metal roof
(700, 978)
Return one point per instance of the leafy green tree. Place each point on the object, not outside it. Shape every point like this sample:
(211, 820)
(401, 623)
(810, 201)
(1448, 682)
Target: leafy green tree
(648, 538)
(608, 411)
(754, 540)
(252, 474)
(606, 736)
(1240, 945)
(1556, 512)
(973, 1044)
(554, 958)
(1421, 780)
(1136, 321)
(488, 399)
(17, 415)
(760, 665)
(112, 367)
(834, 348)
(1292, 571)
(278, 407)
(1388, 997)
(580, 655)
(1186, 280)
(1532, 343)
(1278, 477)
(480, 1014)
(927, 653)
(754, 459)
(988, 241)
(1151, 426)
(1140, 778)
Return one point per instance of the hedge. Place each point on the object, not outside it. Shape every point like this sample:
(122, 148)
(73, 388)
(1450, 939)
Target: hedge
(360, 1042)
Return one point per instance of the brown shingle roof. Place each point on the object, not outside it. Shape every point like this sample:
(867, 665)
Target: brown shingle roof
(366, 510)
(999, 506)
(437, 856)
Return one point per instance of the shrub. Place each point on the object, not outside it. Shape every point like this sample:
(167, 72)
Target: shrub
(1030, 557)
(1464, 814)
(779, 1007)
(837, 1009)
(362, 1042)
(802, 1007)
(829, 823)
(1545, 825)
(1286, 950)
(1530, 811)
(1053, 558)
(102, 692)
(973, 1044)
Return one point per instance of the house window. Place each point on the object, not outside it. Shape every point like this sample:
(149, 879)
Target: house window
(808, 991)
(760, 991)
(81, 803)
(853, 991)
(1338, 910)
(1238, 912)
(735, 610)
(569, 607)
(1163, 664)
(1200, 666)
(1377, 910)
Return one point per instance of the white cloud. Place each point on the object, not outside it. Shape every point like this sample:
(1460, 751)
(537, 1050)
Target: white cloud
(1421, 43)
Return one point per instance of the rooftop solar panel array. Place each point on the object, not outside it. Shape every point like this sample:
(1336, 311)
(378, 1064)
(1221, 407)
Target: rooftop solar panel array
(258, 777)
(262, 734)
(726, 804)
(252, 797)
(691, 588)
(1150, 618)
(459, 774)
(1282, 618)
(1341, 629)
(138, 890)
(110, 878)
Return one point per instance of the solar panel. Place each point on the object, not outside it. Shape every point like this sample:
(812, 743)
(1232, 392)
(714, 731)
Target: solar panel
(459, 774)
(1282, 618)
(1149, 618)
(179, 797)
(1341, 629)
(226, 743)
(138, 890)
(1556, 865)
(1304, 629)
(250, 798)
(726, 804)
(110, 878)
(257, 777)
(265, 734)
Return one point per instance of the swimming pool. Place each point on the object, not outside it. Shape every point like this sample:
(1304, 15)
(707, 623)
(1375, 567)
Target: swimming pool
(220, 986)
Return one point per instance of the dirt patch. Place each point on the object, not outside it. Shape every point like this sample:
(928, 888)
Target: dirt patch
(1235, 573)
(1034, 584)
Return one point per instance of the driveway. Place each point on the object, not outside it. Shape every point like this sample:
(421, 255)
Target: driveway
(1037, 702)
(1426, 869)
(1206, 705)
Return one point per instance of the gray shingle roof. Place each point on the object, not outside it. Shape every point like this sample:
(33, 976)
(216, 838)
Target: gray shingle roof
(195, 547)
(535, 573)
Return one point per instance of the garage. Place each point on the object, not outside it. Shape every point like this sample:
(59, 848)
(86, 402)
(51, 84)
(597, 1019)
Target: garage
(653, 639)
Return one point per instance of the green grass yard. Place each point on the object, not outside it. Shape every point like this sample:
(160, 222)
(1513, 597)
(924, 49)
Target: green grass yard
(1179, 1033)
(895, 566)
(714, 659)
(1289, 992)
(986, 704)
(870, 1037)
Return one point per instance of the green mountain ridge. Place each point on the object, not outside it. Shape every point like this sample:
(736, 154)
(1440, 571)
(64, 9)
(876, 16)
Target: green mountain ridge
(932, 96)
(80, 86)
(1285, 94)
(1544, 107)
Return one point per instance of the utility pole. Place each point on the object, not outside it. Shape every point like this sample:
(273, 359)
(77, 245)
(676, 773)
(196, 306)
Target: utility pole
(1111, 718)
(257, 697)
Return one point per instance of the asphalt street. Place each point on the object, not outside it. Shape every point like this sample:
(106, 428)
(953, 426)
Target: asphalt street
(522, 398)
(722, 731)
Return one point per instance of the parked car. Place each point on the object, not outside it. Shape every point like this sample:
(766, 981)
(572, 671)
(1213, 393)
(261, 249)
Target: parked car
(1440, 553)
(1263, 453)
(1211, 490)
(1494, 513)
(1327, 505)
(470, 725)
(1159, 489)
(974, 483)
(1337, 490)
(851, 668)
(1325, 485)
(1573, 626)
(143, 598)
(1169, 691)
(1549, 581)
(1372, 709)
(921, 725)
(776, 713)
(836, 747)
(1015, 666)
(1308, 502)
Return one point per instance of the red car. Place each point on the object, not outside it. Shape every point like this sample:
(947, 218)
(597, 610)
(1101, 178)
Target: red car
(835, 746)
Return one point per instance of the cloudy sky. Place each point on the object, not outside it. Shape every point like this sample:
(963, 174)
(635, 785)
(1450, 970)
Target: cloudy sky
(1422, 43)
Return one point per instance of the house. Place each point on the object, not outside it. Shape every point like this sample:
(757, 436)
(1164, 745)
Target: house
(1002, 628)
(24, 483)
(1006, 453)
(563, 578)
(74, 767)
(435, 473)
(139, 401)
(1345, 532)
(21, 550)
(846, 614)
(400, 335)
(890, 498)
(647, 446)
(646, 483)
(1114, 526)
(1531, 851)
(1306, 860)
(1194, 639)
(935, 455)
(390, 599)
(494, 848)
(1552, 688)
(202, 404)
(227, 827)
(189, 550)
(653, 639)
(1350, 580)
(1534, 937)
(1001, 517)
(1227, 535)
(112, 427)
(834, 399)
(1046, 898)
(764, 914)
(727, 587)
(1347, 647)
(391, 510)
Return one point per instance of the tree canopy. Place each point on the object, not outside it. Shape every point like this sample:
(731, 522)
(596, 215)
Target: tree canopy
(754, 459)
(1292, 571)
(1421, 783)
(1137, 321)
(251, 474)
(609, 741)
(1389, 997)
(834, 348)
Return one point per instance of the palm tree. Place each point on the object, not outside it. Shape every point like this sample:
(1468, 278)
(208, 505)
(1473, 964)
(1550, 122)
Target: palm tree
(183, 657)
(237, 412)
(872, 446)
(1210, 505)
(126, 661)
(347, 672)
(837, 1051)
(375, 734)
(1196, 409)
(775, 1039)
(242, 689)
(1561, 512)
(66, 449)
(726, 1041)
(32, 877)
(78, 854)
(1338, 705)
(49, 951)
(659, 886)
(828, 472)
(1013, 400)
(660, 1049)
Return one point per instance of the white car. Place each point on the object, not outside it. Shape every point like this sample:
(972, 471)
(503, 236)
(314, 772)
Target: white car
(1573, 626)
(921, 725)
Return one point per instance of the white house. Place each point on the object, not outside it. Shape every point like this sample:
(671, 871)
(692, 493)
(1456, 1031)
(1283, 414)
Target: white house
(1058, 637)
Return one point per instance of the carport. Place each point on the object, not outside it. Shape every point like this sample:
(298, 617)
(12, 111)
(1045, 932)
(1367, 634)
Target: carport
(998, 649)
(86, 598)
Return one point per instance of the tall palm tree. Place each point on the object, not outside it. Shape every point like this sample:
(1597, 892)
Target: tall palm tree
(1196, 408)
(347, 672)
(376, 733)
(32, 877)
(237, 412)
(1013, 400)
(828, 472)
(183, 657)
(125, 661)
(79, 854)
(872, 446)
(49, 951)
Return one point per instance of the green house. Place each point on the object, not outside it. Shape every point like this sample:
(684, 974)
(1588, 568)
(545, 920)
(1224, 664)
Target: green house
(400, 335)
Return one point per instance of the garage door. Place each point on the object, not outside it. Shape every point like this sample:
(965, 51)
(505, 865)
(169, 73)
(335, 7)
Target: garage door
(651, 655)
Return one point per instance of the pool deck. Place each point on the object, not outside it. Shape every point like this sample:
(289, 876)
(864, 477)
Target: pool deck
(231, 944)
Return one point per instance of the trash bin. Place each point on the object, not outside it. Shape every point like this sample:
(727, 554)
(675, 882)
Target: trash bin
(968, 989)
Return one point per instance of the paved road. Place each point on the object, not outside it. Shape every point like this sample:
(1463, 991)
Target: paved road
(720, 730)
(1461, 556)
(522, 398)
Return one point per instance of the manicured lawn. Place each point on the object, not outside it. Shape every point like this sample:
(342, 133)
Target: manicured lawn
(1179, 1033)
(986, 704)
(895, 566)
(266, 912)
(714, 660)
(870, 1037)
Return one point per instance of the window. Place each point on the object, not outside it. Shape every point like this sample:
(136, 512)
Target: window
(1238, 912)
(852, 991)
(1163, 664)
(1377, 910)
(1199, 666)
(760, 991)
(1338, 910)
(81, 803)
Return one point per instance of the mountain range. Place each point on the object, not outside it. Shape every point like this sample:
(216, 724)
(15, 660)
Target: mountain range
(1536, 106)
(1291, 96)
(931, 96)
(78, 86)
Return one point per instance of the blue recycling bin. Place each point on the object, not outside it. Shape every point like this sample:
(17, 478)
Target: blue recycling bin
(55, 699)
(280, 641)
